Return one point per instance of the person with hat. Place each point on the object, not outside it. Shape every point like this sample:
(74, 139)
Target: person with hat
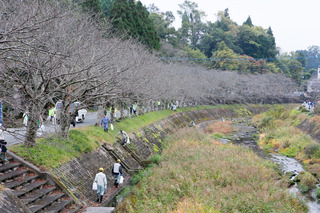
(101, 181)
(116, 172)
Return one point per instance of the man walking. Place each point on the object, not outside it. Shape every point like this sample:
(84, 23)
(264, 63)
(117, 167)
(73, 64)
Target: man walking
(104, 122)
(116, 172)
(101, 181)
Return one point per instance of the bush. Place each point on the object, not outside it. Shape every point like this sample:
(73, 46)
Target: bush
(318, 193)
(312, 150)
(306, 181)
(266, 121)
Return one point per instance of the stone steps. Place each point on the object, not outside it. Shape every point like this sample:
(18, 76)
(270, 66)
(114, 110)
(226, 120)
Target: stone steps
(29, 188)
(16, 183)
(38, 194)
(12, 174)
(35, 193)
(8, 166)
(43, 203)
(58, 206)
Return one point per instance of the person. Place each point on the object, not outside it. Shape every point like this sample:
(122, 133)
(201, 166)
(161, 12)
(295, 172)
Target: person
(51, 114)
(124, 137)
(25, 118)
(159, 105)
(3, 151)
(115, 113)
(105, 121)
(174, 107)
(131, 108)
(101, 181)
(116, 172)
(134, 108)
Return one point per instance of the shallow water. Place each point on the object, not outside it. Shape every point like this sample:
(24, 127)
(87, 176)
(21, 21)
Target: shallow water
(286, 164)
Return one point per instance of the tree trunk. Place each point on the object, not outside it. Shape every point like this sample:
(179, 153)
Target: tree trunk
(30, 139)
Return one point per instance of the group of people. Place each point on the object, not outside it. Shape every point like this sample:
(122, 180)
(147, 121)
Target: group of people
(101, 180)
(309, 105)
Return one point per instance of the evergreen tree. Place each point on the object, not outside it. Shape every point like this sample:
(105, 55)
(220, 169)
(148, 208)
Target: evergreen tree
(133, 18)
(106, 6)
(248, 22)
(92, 7)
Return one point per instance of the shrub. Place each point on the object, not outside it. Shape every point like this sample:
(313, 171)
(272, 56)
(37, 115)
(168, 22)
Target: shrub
(318, 193)
(306, 181)
(266, 121)
(312, 150)
(155, 159)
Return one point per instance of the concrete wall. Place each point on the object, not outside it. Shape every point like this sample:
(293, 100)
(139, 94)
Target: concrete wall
(9, 203)
(78, 174)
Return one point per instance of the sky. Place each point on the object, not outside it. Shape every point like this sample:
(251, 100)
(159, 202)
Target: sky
(295, 23)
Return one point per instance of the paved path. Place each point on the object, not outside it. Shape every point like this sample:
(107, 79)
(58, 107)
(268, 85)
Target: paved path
(99, 210)
(16, 135)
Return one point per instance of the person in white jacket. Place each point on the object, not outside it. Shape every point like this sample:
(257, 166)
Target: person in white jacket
(101, 181)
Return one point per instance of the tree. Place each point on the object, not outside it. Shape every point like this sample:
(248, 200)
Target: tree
(248, 22)
(106, 7)
(192, 25)
(92, 7)
(163, 25)
(133, 18)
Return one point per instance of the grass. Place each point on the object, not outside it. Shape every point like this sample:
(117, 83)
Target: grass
(53, 151)
(279, 132)
(199, 174)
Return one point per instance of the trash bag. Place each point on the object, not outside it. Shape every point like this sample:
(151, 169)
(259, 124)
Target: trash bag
(121, 179)
(111, 127)
(94, 186)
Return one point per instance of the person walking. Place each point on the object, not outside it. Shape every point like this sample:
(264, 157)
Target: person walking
(134, 108)
(3, 152)
(101, 181)
(104, 122)
(116, 172)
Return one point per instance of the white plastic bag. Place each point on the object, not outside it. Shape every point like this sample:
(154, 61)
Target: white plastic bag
(121, 179)
(128, 140)
(94, 186)
(111, 127)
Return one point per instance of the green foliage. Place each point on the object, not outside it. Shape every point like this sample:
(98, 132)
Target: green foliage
(196, 54)
(106, 6)
(306, 181)
(92, 7)
(312, 150)
(318, 193)
(155, 159)
(129, 16)
(155, 148)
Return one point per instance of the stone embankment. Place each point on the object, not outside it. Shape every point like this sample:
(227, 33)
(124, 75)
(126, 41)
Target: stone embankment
(77, 175)
(31, 190)
(312, 128)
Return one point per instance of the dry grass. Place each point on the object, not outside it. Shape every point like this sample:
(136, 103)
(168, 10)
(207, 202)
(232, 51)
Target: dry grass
(199, 174)
(219, 126)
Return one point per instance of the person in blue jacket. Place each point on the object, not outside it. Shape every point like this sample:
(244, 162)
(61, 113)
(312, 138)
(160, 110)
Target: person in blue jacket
(104, 122)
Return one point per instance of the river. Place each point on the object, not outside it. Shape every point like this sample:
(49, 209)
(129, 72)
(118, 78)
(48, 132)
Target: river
(245, 136)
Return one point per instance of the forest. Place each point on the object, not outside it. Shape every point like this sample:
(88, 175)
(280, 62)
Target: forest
(223, 45)
(113, 53)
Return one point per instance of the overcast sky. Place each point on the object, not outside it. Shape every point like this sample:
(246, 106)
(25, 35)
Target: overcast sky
(295, 23)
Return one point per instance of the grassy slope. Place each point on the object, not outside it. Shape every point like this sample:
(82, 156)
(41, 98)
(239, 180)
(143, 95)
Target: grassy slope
(52, 152)
(198, 174)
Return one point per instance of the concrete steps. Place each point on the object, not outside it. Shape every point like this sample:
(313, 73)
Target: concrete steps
(33, 188)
